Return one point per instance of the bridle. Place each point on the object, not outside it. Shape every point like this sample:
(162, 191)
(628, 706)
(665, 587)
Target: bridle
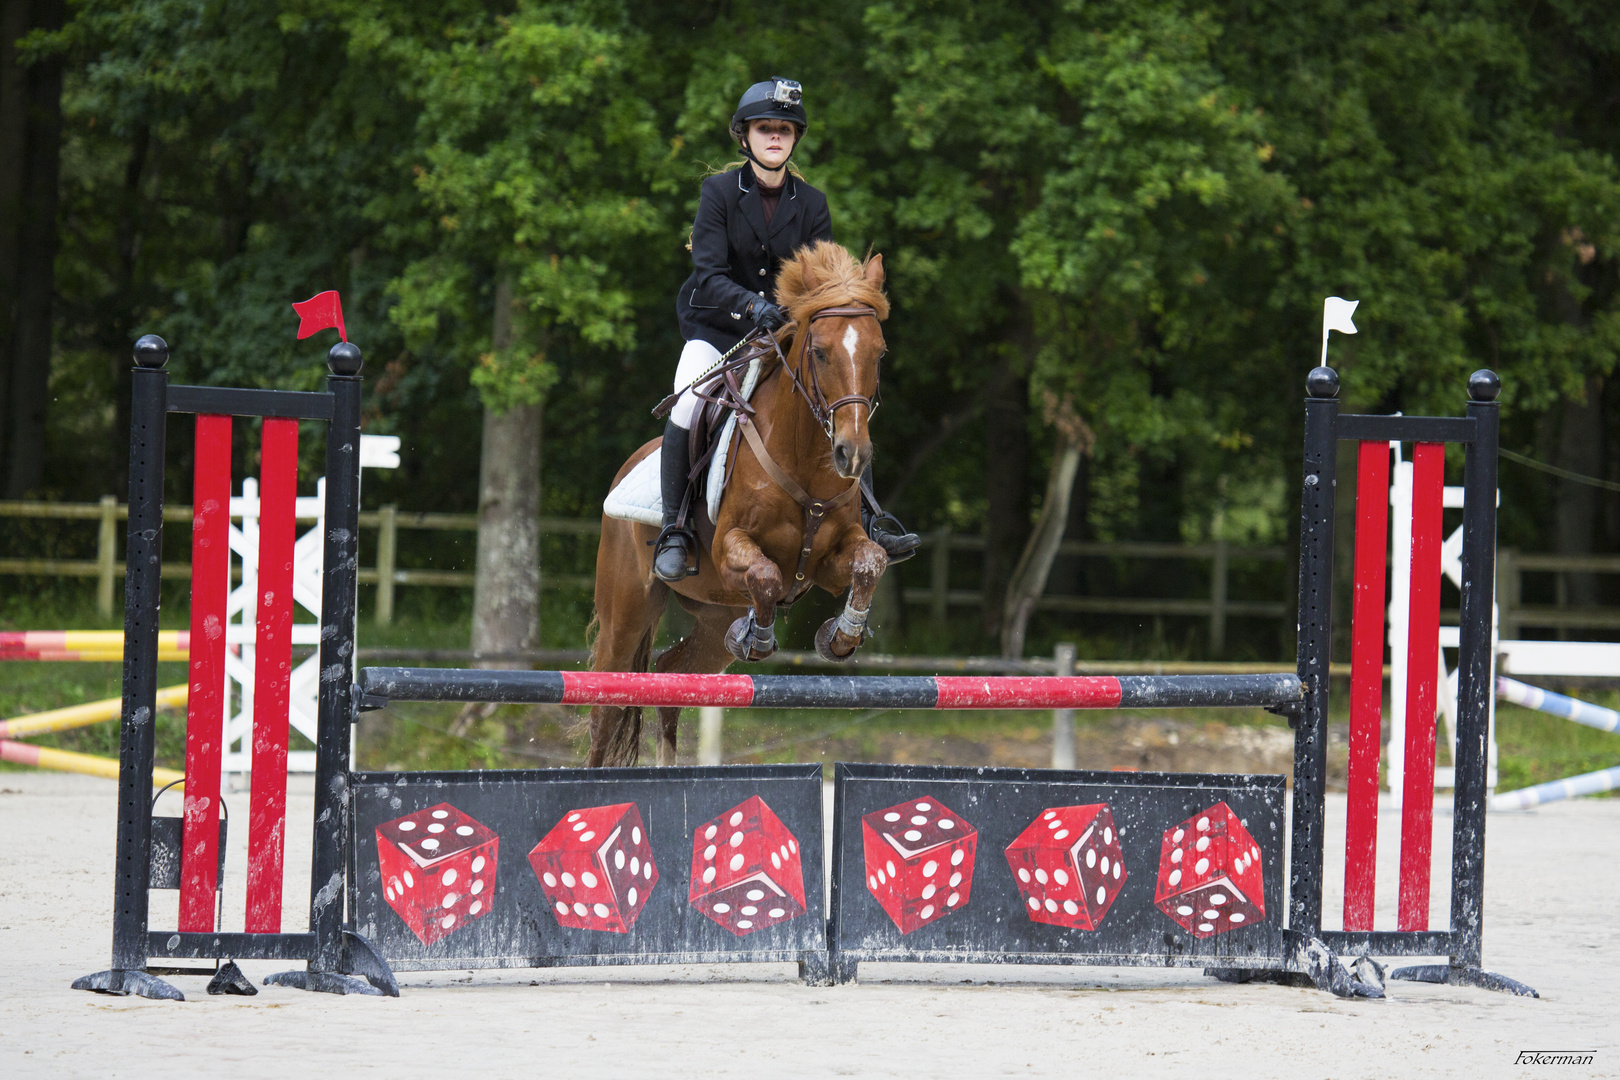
(820, 408)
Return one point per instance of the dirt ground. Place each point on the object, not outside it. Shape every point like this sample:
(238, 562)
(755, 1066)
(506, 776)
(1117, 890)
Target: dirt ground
(1550, 921)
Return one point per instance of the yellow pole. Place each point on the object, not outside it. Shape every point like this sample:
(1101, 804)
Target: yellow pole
(44, 757)
(92, 645)
(94, 712)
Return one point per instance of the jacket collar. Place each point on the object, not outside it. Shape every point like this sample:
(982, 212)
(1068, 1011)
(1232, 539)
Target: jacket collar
(786, 210)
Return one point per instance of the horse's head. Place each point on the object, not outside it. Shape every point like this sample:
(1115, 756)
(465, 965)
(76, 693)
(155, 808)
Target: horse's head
(839, 308)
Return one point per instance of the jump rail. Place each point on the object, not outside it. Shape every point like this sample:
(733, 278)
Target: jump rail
(456, 870)
(380, 685)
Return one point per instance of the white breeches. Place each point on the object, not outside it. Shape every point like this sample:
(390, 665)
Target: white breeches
(697, 357)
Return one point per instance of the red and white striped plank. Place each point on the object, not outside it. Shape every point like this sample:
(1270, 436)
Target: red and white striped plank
(622, 688)
(1366, 682)
(272, 675)
(1422, 658)
(205, 713)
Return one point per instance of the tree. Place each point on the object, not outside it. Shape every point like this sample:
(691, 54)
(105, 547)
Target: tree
(30, 155)
(535, 152)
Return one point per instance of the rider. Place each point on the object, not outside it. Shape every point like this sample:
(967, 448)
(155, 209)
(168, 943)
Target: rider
(750, 217)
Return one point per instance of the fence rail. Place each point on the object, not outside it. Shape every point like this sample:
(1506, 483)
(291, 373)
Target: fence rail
(938, 597)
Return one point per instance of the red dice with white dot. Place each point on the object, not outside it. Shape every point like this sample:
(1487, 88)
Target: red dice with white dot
(1068, 865)
(438, 869)
(746, 871)
(1210, 877)
(919, 861)
(596, 868)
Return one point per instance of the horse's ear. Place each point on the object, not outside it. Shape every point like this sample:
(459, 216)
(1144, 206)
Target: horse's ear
(808, 278)
(874, 271)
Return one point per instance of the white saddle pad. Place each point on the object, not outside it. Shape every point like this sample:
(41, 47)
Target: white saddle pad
(638, 497)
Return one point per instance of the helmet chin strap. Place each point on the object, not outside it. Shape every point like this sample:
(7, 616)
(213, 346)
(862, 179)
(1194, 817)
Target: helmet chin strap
(748, 153)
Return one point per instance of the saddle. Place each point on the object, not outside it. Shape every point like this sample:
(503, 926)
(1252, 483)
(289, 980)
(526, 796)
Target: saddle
(715, 435)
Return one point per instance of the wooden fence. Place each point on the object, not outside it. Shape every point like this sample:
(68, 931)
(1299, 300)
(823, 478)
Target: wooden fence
(938, 597)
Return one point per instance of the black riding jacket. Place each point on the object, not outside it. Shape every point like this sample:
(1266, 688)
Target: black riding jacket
(735, 255)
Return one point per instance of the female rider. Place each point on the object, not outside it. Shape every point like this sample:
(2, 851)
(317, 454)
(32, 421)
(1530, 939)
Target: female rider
(749, 219)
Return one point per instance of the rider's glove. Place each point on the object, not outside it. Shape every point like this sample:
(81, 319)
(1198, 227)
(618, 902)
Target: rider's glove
(768, 315)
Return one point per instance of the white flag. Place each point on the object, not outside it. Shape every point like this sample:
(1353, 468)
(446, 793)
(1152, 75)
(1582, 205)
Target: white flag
(1336, 313)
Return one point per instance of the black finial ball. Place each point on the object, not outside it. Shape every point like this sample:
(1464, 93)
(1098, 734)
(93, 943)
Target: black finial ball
(344, 359)
(151, 351)
(1484, 385)
(1322, 382)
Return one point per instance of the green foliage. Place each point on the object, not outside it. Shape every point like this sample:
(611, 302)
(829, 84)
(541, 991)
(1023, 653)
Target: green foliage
(537, 157)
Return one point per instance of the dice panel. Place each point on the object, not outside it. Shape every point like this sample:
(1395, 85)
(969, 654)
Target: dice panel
(596, 868)
(1068, 865)
(1208, 847)
(438, 869)
(1210, 876)
(745, 850)
(434, 901)
(918, 870)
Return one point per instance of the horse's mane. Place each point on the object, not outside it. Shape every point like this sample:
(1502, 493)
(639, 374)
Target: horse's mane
(823, 275)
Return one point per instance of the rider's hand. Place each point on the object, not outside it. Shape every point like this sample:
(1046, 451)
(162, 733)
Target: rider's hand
(766, 314)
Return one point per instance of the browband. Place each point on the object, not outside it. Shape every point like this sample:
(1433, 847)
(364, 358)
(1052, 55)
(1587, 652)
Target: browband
(853, 311)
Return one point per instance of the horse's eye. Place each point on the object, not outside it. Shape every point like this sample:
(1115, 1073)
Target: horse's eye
(820, 354)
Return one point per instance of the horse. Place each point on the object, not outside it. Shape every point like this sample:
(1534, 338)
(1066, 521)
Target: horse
(789, 516)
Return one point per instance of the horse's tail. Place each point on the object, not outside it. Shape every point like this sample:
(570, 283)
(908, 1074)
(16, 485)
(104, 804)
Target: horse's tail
(592, 630)
(624, 743)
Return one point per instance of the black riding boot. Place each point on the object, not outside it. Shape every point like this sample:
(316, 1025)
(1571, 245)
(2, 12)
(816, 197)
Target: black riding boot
(896, 541)
(674, 545)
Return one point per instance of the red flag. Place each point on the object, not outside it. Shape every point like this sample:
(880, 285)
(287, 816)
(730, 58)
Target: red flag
(323, 311)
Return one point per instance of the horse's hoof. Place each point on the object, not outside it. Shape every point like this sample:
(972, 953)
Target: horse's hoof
(824, 638)
(748, 641)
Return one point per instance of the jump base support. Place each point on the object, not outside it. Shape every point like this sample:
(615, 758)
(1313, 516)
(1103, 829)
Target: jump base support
(1463, 976)
(124, 983)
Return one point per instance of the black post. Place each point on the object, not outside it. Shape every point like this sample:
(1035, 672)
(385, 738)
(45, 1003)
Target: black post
(338, 601)
(1315, 641)
(1474, 689)
(144, 563)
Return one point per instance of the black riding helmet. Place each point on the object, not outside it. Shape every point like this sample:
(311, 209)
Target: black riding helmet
(774, 99)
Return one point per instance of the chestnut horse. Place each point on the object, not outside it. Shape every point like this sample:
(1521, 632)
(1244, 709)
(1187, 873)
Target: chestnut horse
(812, 410)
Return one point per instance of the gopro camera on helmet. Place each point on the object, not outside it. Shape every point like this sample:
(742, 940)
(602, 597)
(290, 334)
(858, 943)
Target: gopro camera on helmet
(787, 92)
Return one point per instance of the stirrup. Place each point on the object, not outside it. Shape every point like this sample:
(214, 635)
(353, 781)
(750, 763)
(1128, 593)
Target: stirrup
(670, 537)
(896, 542)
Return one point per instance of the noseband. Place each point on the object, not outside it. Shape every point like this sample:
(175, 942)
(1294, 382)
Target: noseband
(820, 407)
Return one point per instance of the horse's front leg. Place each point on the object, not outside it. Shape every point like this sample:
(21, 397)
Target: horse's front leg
(860, 562)
(745, 568)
